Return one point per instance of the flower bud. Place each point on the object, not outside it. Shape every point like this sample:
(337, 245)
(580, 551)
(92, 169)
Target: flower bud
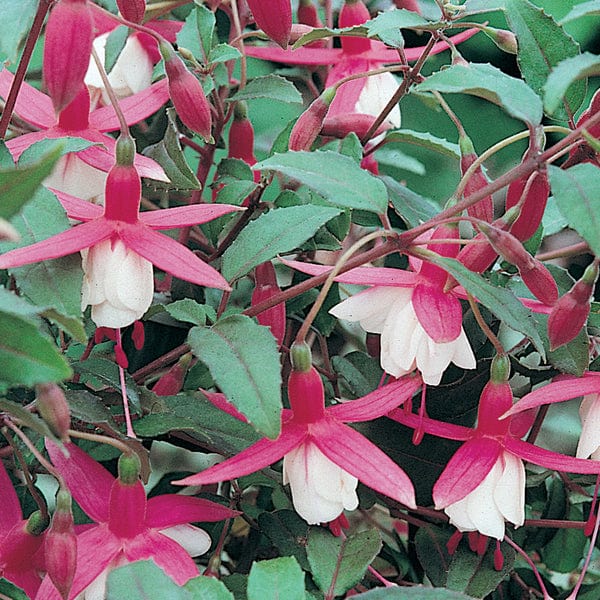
(408, 5)
(67, 50)
(60, 549)
(571, 311)
(354, 13)
(241, 135)
(341, 125)
(532, 205)
(266, 287)
(274, 17)
(308, 125)
(54, 409)
(504, 39)
(132, 10)
(172, 381)
(187, 94)
(307, 14)
(484, 208)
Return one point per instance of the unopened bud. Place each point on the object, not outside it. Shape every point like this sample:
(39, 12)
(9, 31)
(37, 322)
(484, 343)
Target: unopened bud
(8, 232)
(53, 407)
(241, 135)
(187, 94)
(532, 205)
(504, 39)
(570, 313)
(266, 287)
(484, 208)
(308, 14)
(341, 125)
(172, 381)
(129, 467)
(132, 10)
(309, 124)
(274, 18)
(298, 31)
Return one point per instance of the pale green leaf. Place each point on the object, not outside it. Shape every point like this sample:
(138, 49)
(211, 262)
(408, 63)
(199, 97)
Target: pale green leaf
(276, 579)
(271, 87)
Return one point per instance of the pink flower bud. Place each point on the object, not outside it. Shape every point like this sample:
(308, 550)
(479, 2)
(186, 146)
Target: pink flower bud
(571, 311)
(504, 39)
(274, 17)
(138, 336)
(172, 381)
(484, 209)
(54, 409)
(60, 549)
(308, 15)
(187, 95)
(241, 136)
(354, 13)
(308, 125)
(132, 10)
(67, 50)
(408, 5)
(306, 395)
(340, 125)
(122, 193)
(533, 204)
(267, 287)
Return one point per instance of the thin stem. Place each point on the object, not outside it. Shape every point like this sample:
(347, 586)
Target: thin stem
(450, 113)
(32, 37)
(130, 431)
(531, 564)
(301, 335)
(573, 250)
(484, 326)
(101, 439)
(240, 43)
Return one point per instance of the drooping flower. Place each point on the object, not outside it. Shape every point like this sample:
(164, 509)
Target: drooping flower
(21, 540)
(274, 17)
(83, 174)
(128, 527)
(483, 484)
(419, 323)
(122, 245)
(323, 457)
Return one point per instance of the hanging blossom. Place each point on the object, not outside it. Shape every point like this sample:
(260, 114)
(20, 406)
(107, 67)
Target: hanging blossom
(21, 540)
(120, 245)
(483, 484)
(128, 526)
(323, 458)
(420, 324)
(83, 173)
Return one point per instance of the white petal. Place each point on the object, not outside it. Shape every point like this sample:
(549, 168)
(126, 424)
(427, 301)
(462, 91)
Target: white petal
(433, 359)
(589, 413)
(193, 540)
(97, 589)
(509, 494)
(463, 356)
(74, 176)
(400, 338)
(376, 93)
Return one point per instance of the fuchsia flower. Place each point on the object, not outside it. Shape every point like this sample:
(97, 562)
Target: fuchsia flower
(83, 174)
(322, 457)
(128, 526)
(274, 17)
(121, 244)
(21, 558)
(419, 323)
(483, 484)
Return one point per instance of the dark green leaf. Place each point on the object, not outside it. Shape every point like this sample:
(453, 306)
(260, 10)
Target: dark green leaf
(564, 74)
(72, 326)
(424, 140)
(207, 588)
(278, 231)
(275, 579)
(168, 154)
(412, 593)
(143, 580)
(502, 302)
(413, 208)
(187, 311)
(249, 375)
(114, 46)
(17, 18)
(542, 44)
(576, 191)
(88, 408)
(196, 35)
(488, 82)
(288, 533)
(39, 151)
(271, 87)
(27, 418)
(336, 177)
(592, 7)
(360, 371)
(341, 563)
(564, 551)
(11, 591)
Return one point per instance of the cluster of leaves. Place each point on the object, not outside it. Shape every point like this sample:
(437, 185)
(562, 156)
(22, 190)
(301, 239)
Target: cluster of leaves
(304, 203)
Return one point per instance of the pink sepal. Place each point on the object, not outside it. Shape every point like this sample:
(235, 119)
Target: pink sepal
(88, 481)
(377, 403)
(220, 401)
(361, 458)
(258, 456)
(360, 275)
(69, 241)
(183, 216)
(168, 510)
(466, 470)
(552, 460)
(127, 509)
(78, 209)
(165, 552)
(431, 426)
(561, 389)
(11, 509)
(170, 256)
(440, 314)
(33, 106)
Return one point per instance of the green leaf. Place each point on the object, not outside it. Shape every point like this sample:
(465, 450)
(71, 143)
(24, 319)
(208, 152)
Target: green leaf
(280, 230)
(72, 326)
(564, 551)
(336, 177)
(48, 146)
(386, 26)
(341, 563)
(88, 408)
(248, 374)
(576, 191)
(10, 590)
(592, 7)
(361, 372)
(169, 155)
(223, 53)
(17, 18)
(49, 283)
(207, 588)
(412, 593)
(235, 192)
(502, 302)
(271, 87)
(195, 415)
(115, 43)
(26, 355)
(27, 418)
(413, 208)
(143, 580)
(564, 74)
(187, 311)
(197, 32)
(486, 81)
(275, 579)
(424, 140)
(474, 7)
(288, 533)
(542, 44)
